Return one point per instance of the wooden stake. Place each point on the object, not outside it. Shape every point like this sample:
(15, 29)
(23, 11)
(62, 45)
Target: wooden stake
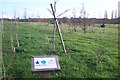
(45, 75)
(13, 48)
(53, 45)
(59, 31)
(17, 41)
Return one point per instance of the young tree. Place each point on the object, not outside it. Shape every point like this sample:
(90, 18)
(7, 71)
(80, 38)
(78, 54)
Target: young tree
(92, 24)
(53, 12)
(59, 31)
(16, 28)
(102, 26)
(105, 17)
(115, 14)
(105, 14)
(83, 15)
(112, 14)
(25, 13)
(74, 20)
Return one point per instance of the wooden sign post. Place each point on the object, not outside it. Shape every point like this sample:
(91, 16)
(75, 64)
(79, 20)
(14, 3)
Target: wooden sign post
(45, 65)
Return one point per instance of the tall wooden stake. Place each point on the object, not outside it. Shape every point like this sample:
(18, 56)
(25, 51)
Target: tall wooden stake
(59, 31)
(53, 45)
(17, 40)
(12, 46)
(16, 27)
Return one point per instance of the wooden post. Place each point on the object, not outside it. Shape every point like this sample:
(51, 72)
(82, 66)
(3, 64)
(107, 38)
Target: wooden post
(53, 45)
(12, 46)
(16, 27)
(59, 31)
(54, 30)
(45, 75)
(17, 41)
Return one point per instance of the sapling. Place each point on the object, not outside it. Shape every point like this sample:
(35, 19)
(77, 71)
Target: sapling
(74, 21)
(16, 29)
(83, 15)
(56, 25)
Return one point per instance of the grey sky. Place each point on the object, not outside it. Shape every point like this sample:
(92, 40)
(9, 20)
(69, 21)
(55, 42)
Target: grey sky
(35, 8)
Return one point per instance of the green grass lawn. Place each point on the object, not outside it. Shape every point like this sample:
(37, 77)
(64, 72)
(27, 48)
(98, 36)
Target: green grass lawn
(90, 55)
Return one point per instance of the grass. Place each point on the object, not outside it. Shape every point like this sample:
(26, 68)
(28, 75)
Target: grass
(90, 55)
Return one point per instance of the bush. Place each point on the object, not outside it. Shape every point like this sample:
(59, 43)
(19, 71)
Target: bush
(19, 49)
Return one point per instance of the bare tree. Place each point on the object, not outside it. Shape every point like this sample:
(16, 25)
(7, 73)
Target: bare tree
(16, 28)
(74, 20)
(59, 31)
(56, 27)
(25, 13)
(102, 26)
(83, 15)
(106, 14)
(92, 24)
(55, 2)
(115, 14)
(105, 17)
(112, 14)
(38, 18)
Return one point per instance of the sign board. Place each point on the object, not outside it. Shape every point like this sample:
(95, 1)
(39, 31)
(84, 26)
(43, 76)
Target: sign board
(45, 63)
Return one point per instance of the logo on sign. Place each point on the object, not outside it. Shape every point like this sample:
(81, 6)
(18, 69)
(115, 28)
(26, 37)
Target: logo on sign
(37, 62)
(43, 62)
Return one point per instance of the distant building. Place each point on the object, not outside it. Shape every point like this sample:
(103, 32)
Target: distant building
(119, 9)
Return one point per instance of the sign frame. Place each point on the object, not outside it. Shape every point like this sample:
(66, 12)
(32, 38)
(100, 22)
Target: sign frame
(45, 69)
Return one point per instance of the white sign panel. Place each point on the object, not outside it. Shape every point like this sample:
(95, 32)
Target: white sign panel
(45, 63)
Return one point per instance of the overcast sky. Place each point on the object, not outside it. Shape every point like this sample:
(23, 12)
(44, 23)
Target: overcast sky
(35, 8)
